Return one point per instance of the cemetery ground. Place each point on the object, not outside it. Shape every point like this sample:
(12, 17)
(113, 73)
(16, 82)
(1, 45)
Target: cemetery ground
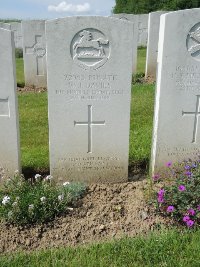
(107, 212)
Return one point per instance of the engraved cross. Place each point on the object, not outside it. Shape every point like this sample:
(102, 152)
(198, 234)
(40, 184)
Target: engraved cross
(39, 51)
(90, 123)
(196, 114)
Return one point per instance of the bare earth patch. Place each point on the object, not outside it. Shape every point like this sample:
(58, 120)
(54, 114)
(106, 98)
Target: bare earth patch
(107, 211)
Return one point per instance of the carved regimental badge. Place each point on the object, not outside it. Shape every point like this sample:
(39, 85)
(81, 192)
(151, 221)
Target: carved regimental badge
(193, 42)
(90, 49)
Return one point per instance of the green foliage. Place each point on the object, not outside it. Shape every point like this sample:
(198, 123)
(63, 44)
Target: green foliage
(18, 52)
(146, 6)
(180, 194)
(27, 201)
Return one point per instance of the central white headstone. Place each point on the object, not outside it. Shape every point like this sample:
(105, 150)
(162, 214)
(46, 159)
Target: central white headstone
(34, 53)
(9, 134)
(89, 89)
(176, 133)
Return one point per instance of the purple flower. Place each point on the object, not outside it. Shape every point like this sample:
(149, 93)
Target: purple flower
(191, 212)
(161, 192)
(187, 167)
(160, 199)
(188, 173)
(181, 188)
(156, 177)
(168, 164)
(194, 165)
(198, 207)
(186, 218)
(170, 208)
(190, 223)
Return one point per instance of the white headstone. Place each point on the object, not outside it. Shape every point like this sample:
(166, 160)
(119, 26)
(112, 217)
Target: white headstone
(17, 29)
(134, 20)
(176, 133)
(5, 26)
(152, 44)
(142, 29)
(9, 134)
(89, 89)
(34, 52)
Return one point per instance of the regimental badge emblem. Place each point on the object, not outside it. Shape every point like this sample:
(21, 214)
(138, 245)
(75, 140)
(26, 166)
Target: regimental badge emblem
(193, 42)
(90, 49)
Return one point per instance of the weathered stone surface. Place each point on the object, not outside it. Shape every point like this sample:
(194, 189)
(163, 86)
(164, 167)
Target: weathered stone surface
(142, 29)
(176, 133)
(89, 88)
(16, 27)
(134, 19)
(9, 134)
(152, 44)
(34, 52)
(5, 26)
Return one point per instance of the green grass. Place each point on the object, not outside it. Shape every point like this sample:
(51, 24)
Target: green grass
(170, 248)
(141, 60)
(33, 118)
(20, 72)
(142, 106)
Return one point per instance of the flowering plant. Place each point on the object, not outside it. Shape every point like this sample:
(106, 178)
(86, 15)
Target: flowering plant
(36, 201)
(179, 196)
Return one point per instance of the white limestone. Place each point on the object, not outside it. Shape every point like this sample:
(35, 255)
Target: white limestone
(142, 29)
(9, 134)
(176, 133)
(17, 29)
(89, 89)
(34, 52)
(134, 19)
(5, 26)
(152, 44)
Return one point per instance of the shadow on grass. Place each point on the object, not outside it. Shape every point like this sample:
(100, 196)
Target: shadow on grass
(30, 172)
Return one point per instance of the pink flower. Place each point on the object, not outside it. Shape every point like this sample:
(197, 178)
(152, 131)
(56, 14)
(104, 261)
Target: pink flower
(168, 164)
(186, 218)
(191, 212)
(181, 188)
(198, 207)
(156, 177)
(170, 208)
(190, 223)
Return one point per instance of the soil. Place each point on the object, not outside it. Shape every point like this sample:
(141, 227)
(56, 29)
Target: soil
(106, 212)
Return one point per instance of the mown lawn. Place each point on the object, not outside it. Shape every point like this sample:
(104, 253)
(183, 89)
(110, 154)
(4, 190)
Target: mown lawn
(159, 249)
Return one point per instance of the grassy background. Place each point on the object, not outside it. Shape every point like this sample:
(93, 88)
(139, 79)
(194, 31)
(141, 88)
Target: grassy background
(20, 72)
